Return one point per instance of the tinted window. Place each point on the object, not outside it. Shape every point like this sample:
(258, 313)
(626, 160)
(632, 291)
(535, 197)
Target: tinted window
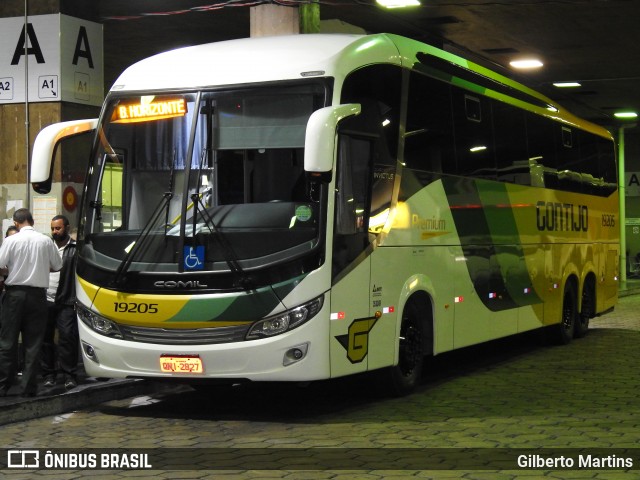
(473, 133)
(512, 158)
(428, 141)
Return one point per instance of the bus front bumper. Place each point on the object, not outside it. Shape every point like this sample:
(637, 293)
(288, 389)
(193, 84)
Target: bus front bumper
(301, 354)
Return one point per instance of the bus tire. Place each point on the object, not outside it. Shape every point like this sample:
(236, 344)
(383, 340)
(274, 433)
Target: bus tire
(563, 332)
(587, 310)
(407, 373)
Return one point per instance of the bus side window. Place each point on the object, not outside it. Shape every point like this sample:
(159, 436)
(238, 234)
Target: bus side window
(428, 141)
(473, 130)
(512, 159)
(367, 148)
(596, 157)
(541, 148)
(353, 183)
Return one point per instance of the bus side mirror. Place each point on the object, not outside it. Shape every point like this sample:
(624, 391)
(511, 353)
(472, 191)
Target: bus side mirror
(320, 139)
(44, 150)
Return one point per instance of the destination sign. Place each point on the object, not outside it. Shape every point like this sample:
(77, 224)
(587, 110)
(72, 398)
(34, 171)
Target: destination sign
(149, 109)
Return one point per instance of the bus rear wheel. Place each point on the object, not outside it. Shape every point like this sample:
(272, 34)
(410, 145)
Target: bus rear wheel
(587, 311)
(564, 331)
(407, 373)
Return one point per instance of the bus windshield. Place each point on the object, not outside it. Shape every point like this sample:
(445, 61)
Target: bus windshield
(204, 181)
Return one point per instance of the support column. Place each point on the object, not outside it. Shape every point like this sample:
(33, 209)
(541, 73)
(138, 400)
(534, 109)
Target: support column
(622, 205)
(310, 17)
(271, 19)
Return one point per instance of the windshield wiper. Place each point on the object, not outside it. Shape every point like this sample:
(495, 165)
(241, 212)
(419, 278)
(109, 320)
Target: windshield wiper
(228, 253)
(170, 191)
(165, 201)
(227, 250)
(137, 244)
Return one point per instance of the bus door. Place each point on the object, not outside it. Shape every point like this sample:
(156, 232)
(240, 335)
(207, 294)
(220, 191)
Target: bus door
(351, 269)
(364, 185)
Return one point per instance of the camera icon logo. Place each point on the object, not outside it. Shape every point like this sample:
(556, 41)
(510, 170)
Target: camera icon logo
(23, 459)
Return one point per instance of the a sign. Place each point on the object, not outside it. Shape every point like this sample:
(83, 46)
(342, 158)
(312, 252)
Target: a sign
(194, 258)
(53, 58)
(632, 184)
(43, 210)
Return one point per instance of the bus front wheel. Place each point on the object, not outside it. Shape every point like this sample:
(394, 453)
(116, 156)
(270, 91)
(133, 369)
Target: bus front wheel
(406, 374)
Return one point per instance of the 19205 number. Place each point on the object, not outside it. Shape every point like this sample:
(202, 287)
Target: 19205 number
(131, 307)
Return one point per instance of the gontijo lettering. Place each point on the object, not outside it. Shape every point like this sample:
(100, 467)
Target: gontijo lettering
(562, 217)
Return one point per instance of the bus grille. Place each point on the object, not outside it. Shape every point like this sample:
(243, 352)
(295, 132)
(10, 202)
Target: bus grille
(195, 336)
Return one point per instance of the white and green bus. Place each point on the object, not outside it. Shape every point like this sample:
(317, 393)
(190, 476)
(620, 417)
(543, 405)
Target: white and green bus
(310, 207)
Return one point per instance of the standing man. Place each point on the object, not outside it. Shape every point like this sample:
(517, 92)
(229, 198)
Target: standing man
(29, 256)
(12, 230)
(61, 296)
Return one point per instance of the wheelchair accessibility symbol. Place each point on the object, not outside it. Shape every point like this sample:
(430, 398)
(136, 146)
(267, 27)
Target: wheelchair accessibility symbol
(194, 258)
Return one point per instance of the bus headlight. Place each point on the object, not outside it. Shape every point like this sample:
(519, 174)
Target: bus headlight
(98, 323)
(285, 321)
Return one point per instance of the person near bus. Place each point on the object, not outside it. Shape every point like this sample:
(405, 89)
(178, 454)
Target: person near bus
(61, 296)
(11, 230)
(27, 258)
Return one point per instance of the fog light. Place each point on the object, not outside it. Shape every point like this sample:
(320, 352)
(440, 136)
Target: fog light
(295, 354)
(90, 352)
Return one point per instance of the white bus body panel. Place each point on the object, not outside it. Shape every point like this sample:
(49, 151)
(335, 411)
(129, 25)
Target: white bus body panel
(243, 61)
(256, 360)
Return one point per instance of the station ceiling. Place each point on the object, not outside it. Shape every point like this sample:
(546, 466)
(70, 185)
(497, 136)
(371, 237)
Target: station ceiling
(593, 42)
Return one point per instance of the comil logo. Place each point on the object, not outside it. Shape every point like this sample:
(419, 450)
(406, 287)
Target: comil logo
(23, 459)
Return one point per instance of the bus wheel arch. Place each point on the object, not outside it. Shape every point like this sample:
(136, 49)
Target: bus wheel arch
(415, 341)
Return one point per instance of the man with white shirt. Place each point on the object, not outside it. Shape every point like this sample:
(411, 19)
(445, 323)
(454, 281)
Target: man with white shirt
(28, 257)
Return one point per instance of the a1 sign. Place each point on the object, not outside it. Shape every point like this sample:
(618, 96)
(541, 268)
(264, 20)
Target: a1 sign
(82, 86)
(48, 86)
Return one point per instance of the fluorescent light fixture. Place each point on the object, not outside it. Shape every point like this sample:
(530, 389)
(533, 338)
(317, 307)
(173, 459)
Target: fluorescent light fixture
(479, 148)
(398, 3)
(526, 64)
(625, 115)
(567, 84)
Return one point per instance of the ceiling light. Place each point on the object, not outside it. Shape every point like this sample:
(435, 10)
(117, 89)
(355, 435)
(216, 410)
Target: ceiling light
(625, 114)
(526, 64)
(479, 148)
(567, 84)
(398, 3)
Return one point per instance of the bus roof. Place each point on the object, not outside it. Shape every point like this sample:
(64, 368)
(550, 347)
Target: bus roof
(289, 57)
(257, 59)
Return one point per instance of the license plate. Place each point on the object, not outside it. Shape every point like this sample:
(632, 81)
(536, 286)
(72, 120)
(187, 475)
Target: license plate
(181, 364)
